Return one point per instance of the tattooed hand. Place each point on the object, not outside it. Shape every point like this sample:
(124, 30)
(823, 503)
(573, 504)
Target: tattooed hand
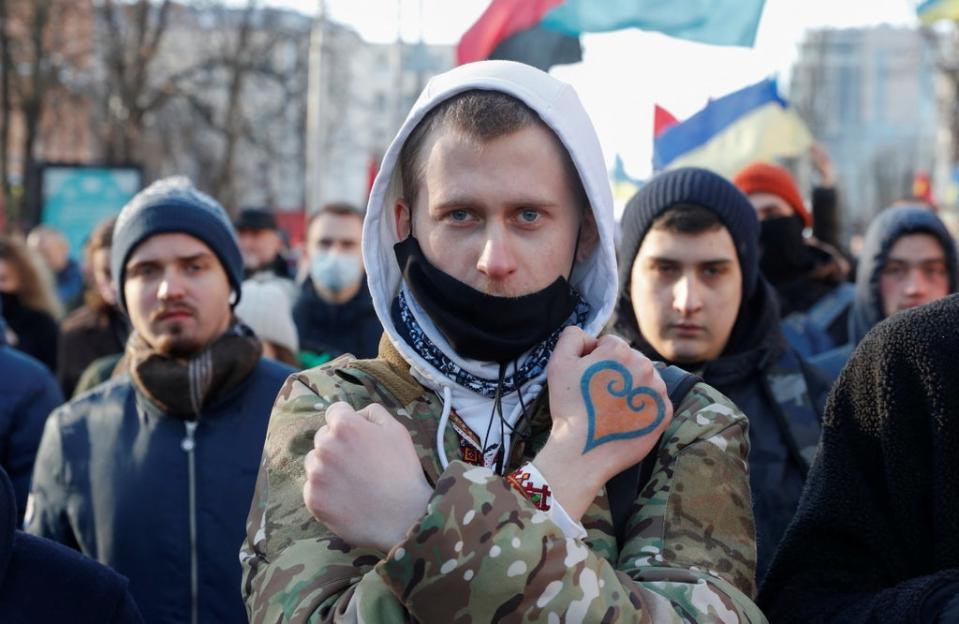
(609, 406)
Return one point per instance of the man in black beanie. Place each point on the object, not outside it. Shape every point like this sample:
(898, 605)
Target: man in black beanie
(876, 536)
(152, 472)
(691, 295)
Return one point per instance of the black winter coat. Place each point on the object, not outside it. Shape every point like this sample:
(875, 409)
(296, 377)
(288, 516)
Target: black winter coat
(161, 500)
(36, 331)
(335, 329)
(42, 582)
(876, 536)
(782, 434)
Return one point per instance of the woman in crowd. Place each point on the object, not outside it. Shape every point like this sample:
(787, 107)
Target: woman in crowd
(30, 304)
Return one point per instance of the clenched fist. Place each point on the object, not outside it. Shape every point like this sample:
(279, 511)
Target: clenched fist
(609, 407)
(364, 480)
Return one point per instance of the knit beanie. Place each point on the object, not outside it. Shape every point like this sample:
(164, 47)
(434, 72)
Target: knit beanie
(173, 205)
(269, 313)
(699, 187)
(765, 178)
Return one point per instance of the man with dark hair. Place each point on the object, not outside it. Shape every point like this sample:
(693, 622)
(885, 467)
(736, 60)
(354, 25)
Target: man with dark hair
(333, 311)
(98, 328)
(692, 295)
(261, 244)
(442, 481)
(152, 472)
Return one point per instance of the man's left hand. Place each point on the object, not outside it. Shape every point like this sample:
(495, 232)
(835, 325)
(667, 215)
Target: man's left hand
(364, 480)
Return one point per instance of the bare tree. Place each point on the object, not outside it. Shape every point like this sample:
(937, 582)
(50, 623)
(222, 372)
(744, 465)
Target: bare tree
(239, 96)
(5, 108)
(38, 50)
(135, 33)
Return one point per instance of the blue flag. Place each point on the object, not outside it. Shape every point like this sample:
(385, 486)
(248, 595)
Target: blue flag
(717, 22)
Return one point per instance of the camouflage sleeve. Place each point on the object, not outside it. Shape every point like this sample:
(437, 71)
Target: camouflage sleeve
(294, 568)
(689, 555)
(483, 553)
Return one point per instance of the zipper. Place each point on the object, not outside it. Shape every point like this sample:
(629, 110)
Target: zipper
(189, 445)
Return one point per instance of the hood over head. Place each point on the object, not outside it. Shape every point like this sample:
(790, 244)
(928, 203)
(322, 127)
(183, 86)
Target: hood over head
(559, 108)
(888, 227)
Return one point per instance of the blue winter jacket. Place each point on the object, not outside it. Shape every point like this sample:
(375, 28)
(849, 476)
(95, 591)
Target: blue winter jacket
(161, 500)
(28, 393)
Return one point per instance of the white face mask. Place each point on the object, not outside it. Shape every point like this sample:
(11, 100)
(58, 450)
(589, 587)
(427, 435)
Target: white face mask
(334, 271)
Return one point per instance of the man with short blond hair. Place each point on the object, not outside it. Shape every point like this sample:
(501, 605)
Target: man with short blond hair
(465, 473)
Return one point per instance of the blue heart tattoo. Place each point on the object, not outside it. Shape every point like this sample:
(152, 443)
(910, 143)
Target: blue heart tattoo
(624, 411)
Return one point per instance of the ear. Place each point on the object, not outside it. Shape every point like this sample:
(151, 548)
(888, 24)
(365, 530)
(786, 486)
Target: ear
(403, 219)
(588, 237)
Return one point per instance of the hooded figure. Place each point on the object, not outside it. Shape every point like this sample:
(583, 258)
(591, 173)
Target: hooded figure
(870, 306)
(782, 396)
(876, 536)
(459, 385)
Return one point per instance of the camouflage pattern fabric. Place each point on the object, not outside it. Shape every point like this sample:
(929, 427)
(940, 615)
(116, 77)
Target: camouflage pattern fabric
(483, 553)
(789, 389)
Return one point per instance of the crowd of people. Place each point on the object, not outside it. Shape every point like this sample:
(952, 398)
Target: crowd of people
(481, 398)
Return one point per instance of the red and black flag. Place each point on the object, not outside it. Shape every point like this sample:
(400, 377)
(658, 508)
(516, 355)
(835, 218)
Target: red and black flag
(511, 30)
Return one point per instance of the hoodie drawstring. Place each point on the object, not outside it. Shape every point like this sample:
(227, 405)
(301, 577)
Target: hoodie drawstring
(532, 392)
(441, 429)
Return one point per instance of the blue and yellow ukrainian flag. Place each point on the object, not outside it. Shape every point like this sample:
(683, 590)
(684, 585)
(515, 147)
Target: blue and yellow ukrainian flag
(749, 125)
(932, 11)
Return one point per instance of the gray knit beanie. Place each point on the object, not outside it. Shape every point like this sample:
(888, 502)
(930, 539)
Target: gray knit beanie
(173, 205)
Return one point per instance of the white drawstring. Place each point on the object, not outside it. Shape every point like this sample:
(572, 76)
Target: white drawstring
(528, 397)
(441, 429)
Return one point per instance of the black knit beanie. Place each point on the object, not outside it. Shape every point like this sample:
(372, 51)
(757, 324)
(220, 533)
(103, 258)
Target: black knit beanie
(173, 205)
(698, 187)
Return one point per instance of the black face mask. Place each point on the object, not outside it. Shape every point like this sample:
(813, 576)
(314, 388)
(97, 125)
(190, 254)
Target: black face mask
(784, 255)
(9, 304)
(480, 326)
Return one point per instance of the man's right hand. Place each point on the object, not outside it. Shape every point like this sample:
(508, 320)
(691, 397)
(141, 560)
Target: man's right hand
(608, 405)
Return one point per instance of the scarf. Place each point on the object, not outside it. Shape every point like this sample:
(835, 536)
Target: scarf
(182, 387)
(532, 365)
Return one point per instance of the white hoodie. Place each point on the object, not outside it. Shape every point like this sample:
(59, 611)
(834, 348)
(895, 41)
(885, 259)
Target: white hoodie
(595, 278)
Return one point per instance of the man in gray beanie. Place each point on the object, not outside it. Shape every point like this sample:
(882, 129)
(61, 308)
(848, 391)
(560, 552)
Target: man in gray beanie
(152, 472)
(691, 294)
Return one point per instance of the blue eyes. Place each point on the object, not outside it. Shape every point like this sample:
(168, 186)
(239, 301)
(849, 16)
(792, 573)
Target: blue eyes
(522, 217)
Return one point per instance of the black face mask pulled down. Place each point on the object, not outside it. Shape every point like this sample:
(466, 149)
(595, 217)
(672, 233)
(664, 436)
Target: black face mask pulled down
(481, 326)
(784, 255)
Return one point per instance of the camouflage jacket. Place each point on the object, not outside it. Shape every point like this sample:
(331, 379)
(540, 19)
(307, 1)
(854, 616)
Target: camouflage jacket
(482, 552)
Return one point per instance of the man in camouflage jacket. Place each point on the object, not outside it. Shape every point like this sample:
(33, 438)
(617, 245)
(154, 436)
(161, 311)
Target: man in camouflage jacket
(444, 481)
